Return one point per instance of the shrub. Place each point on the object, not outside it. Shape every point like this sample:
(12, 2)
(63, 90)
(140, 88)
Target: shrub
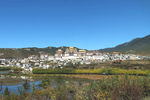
(5, 68)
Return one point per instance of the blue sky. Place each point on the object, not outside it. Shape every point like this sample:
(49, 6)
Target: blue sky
(89, 24)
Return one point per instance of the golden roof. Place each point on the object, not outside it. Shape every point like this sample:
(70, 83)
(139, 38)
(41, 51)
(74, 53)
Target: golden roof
(59, 50)
(71, 47)
(82, 50)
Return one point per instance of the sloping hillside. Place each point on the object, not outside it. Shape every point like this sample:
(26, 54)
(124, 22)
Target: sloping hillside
(25, 52)
(138, 46)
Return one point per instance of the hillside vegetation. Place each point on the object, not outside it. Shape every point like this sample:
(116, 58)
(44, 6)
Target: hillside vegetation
(26, 52)
(137, 46)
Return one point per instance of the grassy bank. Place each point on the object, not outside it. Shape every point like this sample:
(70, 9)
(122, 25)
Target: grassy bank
(5, 68)
(10, 68)
(105, 71)
(114, 88)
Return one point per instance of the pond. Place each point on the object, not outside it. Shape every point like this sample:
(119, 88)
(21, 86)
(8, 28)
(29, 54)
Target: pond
(3, 72)
(18, 88)
(16, 85)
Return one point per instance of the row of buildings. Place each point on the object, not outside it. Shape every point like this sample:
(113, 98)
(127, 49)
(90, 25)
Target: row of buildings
(71, 51)
(62, 58)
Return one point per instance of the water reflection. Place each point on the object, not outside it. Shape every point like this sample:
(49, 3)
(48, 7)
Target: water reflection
(3, 72)
(42, 82)
(19, 88)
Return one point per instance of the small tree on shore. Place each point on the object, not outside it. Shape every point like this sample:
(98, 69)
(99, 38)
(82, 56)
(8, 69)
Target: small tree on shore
(6, 91)
(33, 87)
(26, 85)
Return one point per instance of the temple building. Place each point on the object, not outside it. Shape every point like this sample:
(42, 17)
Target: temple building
(82, 53)
(71, 51)
(59, 53)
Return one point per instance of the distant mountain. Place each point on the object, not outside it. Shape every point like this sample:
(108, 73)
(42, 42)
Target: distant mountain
(137, 46)
(25, 52)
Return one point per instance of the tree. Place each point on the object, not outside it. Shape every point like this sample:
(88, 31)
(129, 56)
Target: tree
(6, 91)
(0, 86)
(26, 85)
(33, 87)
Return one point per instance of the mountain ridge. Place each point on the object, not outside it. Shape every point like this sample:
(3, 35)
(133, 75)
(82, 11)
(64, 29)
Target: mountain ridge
(26, 52)
(137, 46)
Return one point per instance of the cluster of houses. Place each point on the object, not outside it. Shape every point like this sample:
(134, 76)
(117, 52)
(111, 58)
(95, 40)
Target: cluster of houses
(63, 58)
